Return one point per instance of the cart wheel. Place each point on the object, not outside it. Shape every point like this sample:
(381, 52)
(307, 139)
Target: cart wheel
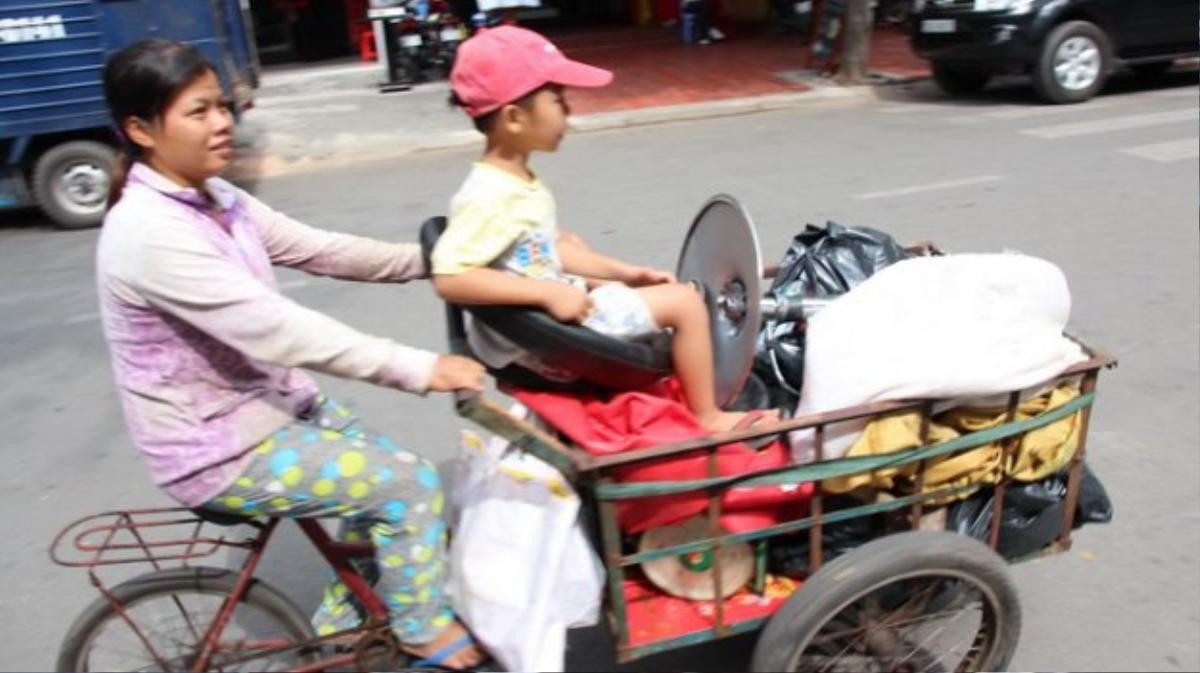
(916, 601)
(70, 182)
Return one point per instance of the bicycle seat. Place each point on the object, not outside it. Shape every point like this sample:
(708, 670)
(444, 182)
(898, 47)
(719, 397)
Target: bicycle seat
(220, 518)
(594, 359)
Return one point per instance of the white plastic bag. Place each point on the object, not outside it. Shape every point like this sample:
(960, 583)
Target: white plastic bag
(522, 570)
(957, 326)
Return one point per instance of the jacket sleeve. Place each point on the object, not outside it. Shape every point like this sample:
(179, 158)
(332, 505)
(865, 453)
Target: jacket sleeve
(325, 253)
(178, 271)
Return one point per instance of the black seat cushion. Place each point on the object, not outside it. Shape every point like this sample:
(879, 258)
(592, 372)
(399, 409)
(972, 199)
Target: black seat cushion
(221, 518)
(592, 357)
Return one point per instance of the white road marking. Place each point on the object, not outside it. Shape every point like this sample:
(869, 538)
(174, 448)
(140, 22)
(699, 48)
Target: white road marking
(1174, 150)
(1114, 124)
(912, 108)
(1034, 111)
(81, 318)
(1183, 92)
(932, 186)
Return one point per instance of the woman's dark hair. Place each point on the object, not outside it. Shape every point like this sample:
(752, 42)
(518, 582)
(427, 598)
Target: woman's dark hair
(483, 123)
(142, 80)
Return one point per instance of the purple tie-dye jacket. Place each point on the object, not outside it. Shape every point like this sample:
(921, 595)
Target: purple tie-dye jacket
(205, 349)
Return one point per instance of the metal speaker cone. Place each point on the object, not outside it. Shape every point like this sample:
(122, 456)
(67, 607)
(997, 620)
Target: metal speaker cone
(721, 255)
(690, 576)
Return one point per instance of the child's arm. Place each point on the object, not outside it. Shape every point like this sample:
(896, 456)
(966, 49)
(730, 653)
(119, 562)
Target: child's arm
(489, 286)
(577, 258)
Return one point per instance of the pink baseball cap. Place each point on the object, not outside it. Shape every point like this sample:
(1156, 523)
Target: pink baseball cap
(500, 65)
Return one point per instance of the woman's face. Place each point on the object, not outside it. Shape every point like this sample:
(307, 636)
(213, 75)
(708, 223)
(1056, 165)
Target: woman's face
(193, 138)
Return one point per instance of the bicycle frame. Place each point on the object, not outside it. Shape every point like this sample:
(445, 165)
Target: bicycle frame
(101, 544)
(338, 555)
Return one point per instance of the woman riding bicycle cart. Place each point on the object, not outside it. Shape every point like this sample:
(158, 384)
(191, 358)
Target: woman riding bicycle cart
(701, 536)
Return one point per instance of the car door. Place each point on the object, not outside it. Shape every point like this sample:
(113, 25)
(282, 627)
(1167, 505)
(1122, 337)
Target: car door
(1183, 17)
(1148, 27)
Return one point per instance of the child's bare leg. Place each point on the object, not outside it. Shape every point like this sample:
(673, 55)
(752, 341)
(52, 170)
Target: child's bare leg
(681, 308)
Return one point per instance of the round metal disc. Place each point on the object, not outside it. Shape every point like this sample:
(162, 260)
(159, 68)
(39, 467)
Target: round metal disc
(721, 254)
(690, 576)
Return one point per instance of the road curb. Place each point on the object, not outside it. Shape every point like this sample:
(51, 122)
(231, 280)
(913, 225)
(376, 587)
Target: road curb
(265, 165)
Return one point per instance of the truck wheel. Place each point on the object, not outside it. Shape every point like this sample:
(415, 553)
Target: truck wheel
(915, 601)
(1074, 63)
(960, 80)
(71, 180)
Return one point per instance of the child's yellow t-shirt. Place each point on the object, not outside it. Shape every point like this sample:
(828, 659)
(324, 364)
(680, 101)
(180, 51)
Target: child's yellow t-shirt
(502, 221)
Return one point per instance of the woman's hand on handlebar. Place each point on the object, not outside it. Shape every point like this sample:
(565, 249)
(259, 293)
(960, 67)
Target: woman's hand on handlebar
(455, 372)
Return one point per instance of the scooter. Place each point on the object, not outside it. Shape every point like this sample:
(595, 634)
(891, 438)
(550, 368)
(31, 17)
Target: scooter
(442, 32)
(410, 45)
(893, 12)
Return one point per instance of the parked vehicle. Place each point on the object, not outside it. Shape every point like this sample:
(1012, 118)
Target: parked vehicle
(1069, 47)
(422, 38)
(443, 32)
(56, 142)
(892, 12)
(410, 47)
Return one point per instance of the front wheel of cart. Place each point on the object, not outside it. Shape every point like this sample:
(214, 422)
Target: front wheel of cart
(916, 601)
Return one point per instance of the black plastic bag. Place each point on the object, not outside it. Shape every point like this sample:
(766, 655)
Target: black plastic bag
(790, 555)
(827, 261)
(820, 262)
(1032, 514)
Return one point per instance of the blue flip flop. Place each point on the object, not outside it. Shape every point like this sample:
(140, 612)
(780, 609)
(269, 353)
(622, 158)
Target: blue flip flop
(438, 659)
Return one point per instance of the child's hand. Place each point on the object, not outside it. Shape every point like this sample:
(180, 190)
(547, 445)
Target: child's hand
(640, 276)
(455, 372)
(566, 303)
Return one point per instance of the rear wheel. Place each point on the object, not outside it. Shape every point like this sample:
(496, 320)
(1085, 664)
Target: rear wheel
(71, 181)
(958, 80)
(1074, 63)
(917, 601)
(173, 610)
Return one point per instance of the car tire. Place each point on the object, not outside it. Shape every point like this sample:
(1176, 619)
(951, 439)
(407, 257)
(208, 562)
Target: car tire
(1073, 64)
(71, 182)
(958, 80)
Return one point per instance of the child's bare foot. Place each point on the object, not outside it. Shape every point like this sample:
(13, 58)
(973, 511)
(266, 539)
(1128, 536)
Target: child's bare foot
(724, 421)
(467, 656)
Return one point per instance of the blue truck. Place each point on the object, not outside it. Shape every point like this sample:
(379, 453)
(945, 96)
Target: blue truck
(57, 143)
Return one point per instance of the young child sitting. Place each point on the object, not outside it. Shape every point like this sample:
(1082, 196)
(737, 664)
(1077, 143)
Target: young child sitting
(503, 245)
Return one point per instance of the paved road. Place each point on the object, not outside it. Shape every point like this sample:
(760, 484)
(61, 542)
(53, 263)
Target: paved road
(1107, 190)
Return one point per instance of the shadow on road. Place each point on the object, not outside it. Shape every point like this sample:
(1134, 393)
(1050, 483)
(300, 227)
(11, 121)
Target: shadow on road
(12, 219)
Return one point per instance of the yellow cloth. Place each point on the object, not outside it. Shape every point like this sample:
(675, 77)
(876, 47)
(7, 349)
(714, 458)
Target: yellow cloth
(1041, 452)
(502, 221)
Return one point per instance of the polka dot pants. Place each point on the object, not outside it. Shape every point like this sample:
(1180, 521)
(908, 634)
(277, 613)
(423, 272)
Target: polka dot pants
(328, 465)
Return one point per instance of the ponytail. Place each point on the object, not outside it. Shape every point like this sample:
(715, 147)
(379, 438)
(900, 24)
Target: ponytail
(120, 174)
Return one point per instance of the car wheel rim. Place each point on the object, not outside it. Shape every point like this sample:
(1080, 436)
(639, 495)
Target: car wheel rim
(82, 188)
(1077, 63)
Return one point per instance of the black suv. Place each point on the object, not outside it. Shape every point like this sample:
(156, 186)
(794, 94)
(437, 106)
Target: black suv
(1068, 46)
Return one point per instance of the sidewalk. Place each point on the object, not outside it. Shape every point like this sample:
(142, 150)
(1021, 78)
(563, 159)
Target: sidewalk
(333, 114)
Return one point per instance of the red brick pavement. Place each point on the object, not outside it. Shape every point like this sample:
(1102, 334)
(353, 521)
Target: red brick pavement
(654, 68)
